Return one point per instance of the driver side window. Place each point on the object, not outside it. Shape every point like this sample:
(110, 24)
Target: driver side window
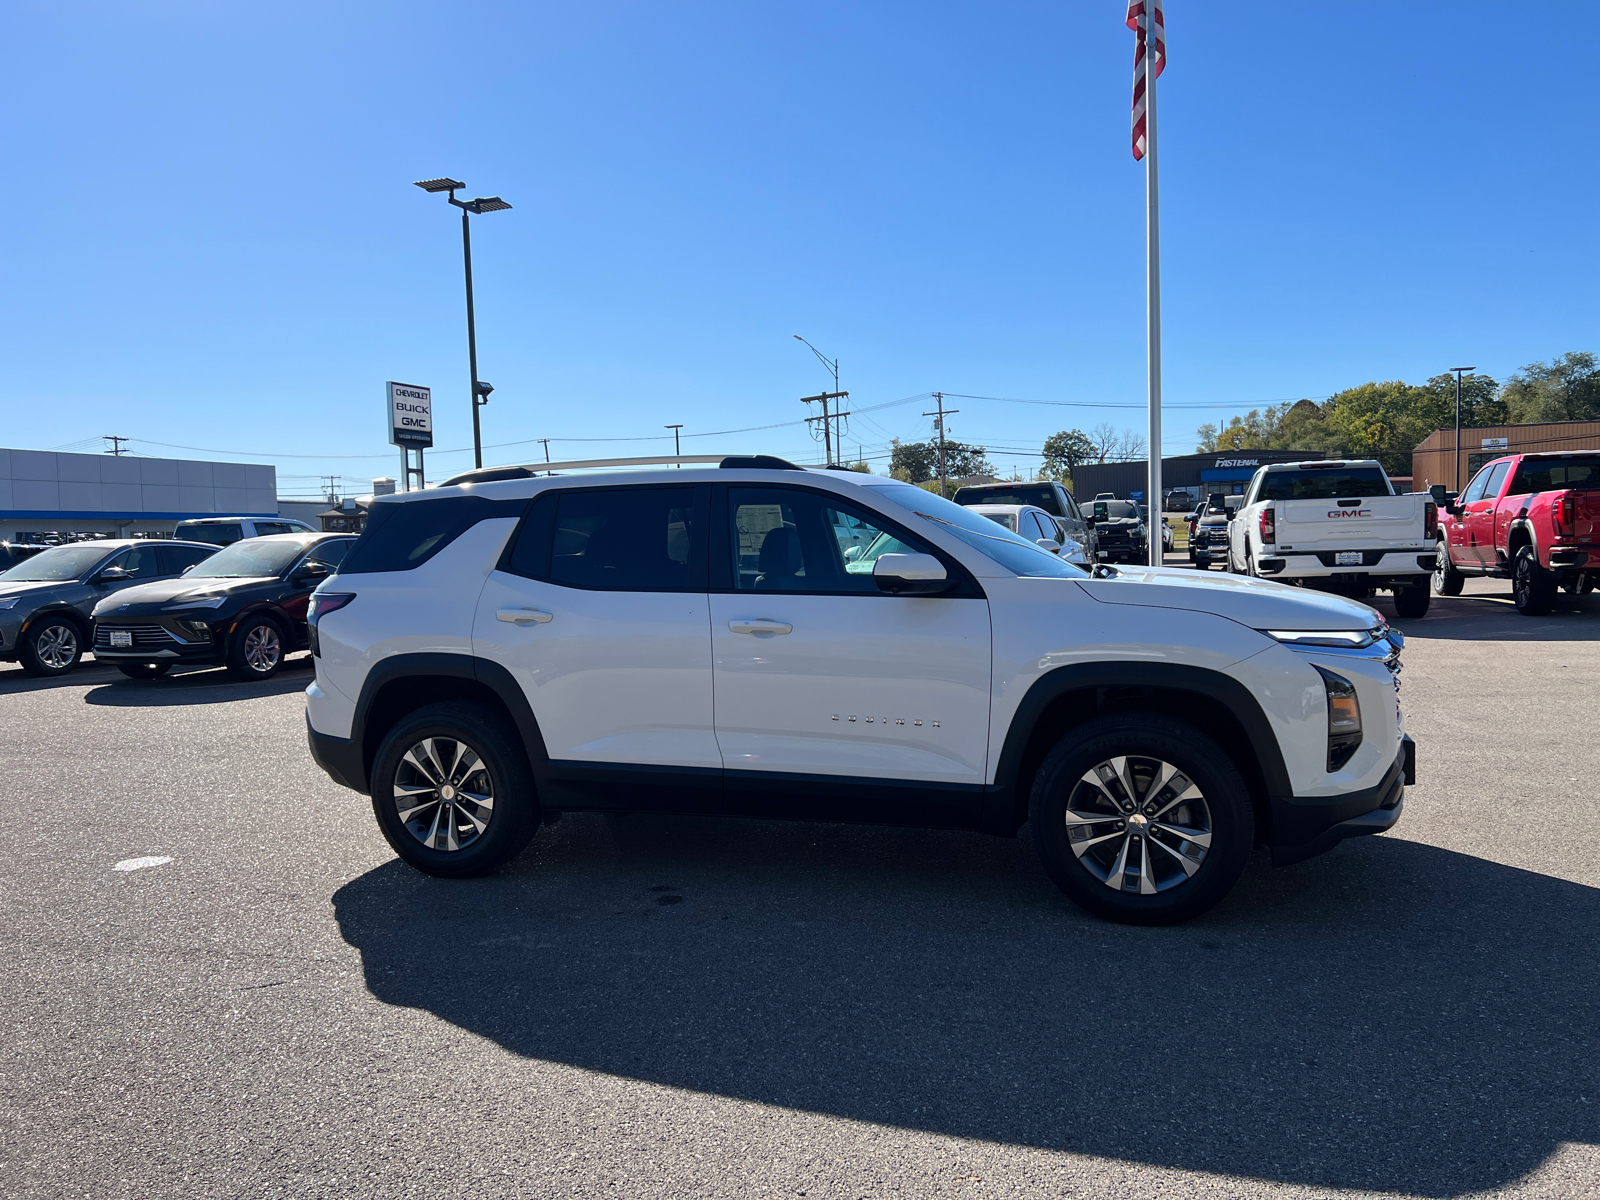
(1475, 488)
(786, 540)
(139, 562)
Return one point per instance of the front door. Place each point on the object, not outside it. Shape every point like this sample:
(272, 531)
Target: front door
(600, 614)
(833, 698)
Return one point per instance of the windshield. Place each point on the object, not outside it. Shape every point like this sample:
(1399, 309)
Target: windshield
(56, 565)
(1016, 554)
(1115, 510)
(1040, 495)
(1336, 483)
(252, 558)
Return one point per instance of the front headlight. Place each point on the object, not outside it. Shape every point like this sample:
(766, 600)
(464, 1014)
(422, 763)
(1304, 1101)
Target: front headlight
(184, 605)
(9, 601)
(1344, 639)
(1344, 718)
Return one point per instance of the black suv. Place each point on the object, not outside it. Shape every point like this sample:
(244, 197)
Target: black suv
(1121, 532)
(1045, 494)
(245, 606)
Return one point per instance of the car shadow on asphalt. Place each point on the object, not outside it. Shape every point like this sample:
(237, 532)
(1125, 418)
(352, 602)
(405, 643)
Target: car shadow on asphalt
(14, 679)
(1390, 1017)
(204, 686)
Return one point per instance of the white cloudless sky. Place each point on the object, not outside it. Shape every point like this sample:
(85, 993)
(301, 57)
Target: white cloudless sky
(210, 237)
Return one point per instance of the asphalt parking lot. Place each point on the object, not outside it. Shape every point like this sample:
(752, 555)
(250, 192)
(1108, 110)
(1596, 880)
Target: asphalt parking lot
(654, 1007)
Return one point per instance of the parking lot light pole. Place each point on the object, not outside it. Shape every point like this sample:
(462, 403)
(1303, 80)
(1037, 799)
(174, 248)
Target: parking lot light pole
(1458, 371)
(483, 204)
(677, 450)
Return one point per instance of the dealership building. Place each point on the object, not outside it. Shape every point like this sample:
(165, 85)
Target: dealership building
(1191, 476)
(43, 492)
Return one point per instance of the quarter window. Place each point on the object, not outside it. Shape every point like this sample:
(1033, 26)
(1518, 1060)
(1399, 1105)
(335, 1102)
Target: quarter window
(401, 535)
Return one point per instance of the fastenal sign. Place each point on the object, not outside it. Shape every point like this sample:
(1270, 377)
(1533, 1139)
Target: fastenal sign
(410, 415)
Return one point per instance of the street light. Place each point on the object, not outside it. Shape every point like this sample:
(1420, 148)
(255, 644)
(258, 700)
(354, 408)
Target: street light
(1458, 371)
(483, 204)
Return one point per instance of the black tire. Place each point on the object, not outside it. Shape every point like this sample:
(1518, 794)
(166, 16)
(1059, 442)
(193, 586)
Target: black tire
(1533, 589)
(52, 646)
(151, 670)
(1447, 581)
(251, 652)
(1412, 602)
(486, 837)
(1181, 893)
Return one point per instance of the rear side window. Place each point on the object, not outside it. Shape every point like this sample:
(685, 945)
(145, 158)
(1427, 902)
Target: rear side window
(331, 554)
(623, 539)
(1556, 475)
(1337, 483)
(401, 536)
(223, 533)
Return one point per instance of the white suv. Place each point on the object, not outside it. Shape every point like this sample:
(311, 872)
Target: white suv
(515, 645)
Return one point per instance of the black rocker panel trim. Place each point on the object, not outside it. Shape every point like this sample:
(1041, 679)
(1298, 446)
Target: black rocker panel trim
(805, 797)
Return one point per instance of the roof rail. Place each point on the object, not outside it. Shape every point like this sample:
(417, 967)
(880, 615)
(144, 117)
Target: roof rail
(527, 470)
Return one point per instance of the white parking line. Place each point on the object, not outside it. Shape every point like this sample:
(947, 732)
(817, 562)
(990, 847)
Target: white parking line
(139, 864)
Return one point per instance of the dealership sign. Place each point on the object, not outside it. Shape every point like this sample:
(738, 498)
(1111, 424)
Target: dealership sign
(410, 415)
(1497, 443)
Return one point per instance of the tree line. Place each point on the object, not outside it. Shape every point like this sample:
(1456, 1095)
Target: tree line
(918, 462)
(1386, 421)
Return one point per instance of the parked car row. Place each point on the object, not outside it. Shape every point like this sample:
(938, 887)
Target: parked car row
(148, 605)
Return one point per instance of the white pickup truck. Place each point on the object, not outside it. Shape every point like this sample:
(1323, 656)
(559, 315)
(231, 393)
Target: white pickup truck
(1337, 527)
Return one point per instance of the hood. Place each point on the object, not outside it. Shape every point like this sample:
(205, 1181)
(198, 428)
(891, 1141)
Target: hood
(164, 592)
(22, 587)
(1258, 603)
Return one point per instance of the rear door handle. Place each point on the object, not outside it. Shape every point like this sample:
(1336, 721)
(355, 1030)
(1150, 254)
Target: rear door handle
(760, 625)
(523, 616)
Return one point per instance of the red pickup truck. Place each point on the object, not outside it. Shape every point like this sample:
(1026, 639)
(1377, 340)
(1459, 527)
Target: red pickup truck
(1530, 518)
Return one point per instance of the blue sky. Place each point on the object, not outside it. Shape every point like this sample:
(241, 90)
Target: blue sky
(210, 238)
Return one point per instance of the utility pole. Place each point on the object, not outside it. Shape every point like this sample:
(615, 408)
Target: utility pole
(546, 442)
(116, 442)
(825, 418)
(677, 450)
(938, 423)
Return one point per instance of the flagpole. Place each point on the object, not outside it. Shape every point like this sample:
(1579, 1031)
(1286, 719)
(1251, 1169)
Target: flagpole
(1153, 283)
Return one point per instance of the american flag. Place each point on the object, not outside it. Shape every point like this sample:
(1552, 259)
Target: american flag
(1137, 10)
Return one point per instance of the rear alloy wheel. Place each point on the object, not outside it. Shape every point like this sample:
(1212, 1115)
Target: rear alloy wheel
(452, 792)
(149, 670)
(1447, 581)
(1141, 819)
(1412, 602)
(52, 647)
(257, 648)
(1533, 589)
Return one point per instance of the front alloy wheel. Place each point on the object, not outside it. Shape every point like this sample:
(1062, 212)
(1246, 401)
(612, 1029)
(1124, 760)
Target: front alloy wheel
(1141, 818)
(1138, 825)
(443, 794)
(51, 648)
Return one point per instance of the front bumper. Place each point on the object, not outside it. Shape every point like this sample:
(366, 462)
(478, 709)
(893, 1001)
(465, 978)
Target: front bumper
(158, 640)
(1305, 828)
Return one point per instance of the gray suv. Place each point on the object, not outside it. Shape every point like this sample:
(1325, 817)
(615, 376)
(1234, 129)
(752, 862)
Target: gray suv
(45, 602)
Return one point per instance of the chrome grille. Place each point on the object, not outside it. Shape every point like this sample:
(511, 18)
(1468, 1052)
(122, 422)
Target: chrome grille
(144, 636)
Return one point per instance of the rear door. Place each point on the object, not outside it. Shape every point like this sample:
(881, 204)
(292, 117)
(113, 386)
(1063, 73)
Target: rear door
(599, 611)
(1478, 516)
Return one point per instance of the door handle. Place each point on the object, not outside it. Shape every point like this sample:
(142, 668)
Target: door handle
(759, 625)
(523, 616)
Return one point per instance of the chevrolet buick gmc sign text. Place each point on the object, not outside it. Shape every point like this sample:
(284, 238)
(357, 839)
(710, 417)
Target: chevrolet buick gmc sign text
(411, 415)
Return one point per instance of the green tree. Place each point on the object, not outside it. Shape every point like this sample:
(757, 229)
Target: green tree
(916, 462)
(1065, 450)
(1564, 389)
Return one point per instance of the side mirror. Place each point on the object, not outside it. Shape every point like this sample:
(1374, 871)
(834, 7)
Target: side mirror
(910, 575)
(1049, 544)
(113, 575)
(187, 569)
(1438, 491)
(1100, 511)
(313, 570)
(1088, 522)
